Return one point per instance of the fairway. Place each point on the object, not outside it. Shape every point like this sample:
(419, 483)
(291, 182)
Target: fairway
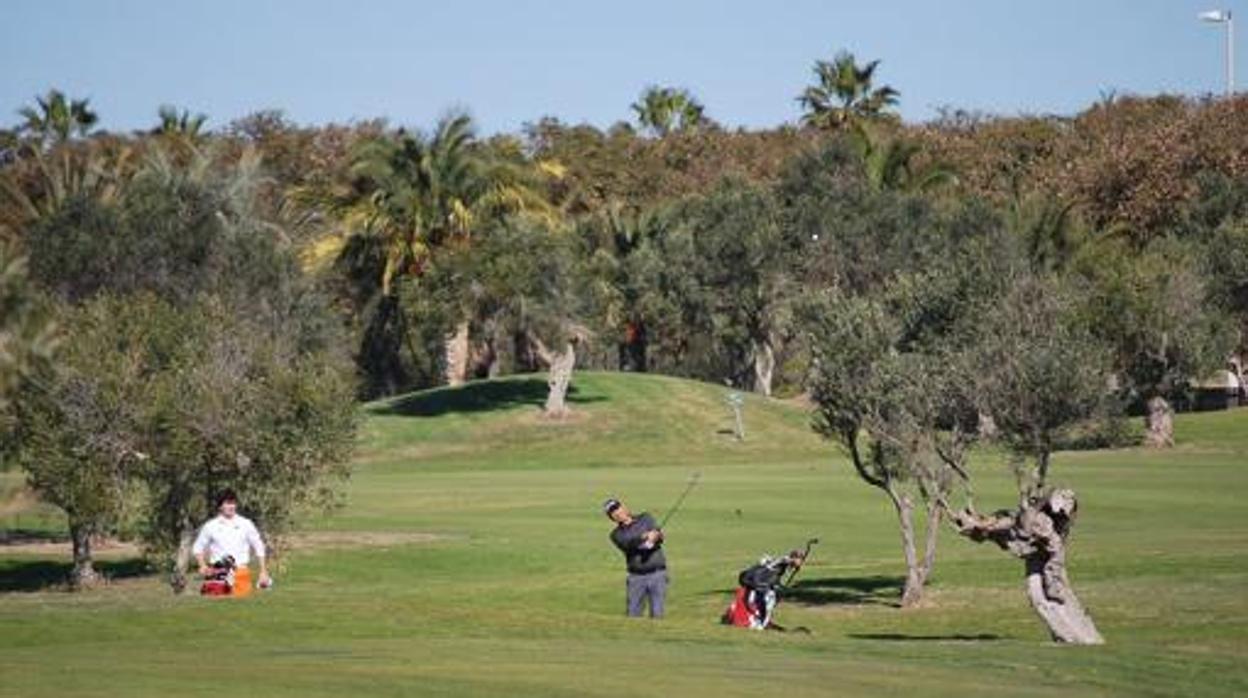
(471, 558)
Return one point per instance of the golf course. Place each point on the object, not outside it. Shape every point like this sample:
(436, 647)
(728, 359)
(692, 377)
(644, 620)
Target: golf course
(470, 557)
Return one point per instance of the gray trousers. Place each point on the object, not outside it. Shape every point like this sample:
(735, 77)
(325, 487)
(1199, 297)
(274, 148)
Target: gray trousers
(642, 586)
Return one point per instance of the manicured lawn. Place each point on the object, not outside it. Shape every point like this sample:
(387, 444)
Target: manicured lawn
(519, 593)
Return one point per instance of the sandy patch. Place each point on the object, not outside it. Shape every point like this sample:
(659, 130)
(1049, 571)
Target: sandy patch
(319, 540)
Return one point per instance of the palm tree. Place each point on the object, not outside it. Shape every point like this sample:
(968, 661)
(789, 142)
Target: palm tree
(413, 194)
(173, 122)
(844, 93)
(40, 182)
(27, 336)
(1051, 230)
(663, 110)
(55, 119)
(889, 161)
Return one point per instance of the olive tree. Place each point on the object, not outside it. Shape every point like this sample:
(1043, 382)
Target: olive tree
(864, 390)
(1037, 369)
(78, 433)
(745, 263)
(1155, 309)
(523, 282)
(200, 358)
(239, 404)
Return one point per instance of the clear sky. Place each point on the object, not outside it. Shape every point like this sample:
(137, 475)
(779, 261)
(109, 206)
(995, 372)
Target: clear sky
(508, 62)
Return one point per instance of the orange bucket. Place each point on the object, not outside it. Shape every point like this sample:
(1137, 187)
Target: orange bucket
(242, 582)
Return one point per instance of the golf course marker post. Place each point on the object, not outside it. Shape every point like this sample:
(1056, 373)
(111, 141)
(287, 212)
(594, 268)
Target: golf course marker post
(735, 401)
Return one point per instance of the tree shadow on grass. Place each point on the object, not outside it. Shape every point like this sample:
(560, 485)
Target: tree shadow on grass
(884, 590)
(954, 637)
(478, 396)
(40, 575)
(25, 536)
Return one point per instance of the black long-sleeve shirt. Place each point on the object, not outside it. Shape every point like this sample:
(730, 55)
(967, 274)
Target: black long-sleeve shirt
(628, 538)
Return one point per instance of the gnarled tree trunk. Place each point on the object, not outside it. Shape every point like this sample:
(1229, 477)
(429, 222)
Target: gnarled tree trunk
(764, 367)
(560, 365)
(987, 426)
(83, 573)
(182, 561)
(1037, 533)
(457, 356)
(560, 376)
(1160, 421)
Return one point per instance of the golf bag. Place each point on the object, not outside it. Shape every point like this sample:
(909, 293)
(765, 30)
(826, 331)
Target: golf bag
(220, 581)
(755, 600)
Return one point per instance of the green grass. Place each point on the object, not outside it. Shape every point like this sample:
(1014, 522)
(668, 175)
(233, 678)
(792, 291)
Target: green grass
(521, 594)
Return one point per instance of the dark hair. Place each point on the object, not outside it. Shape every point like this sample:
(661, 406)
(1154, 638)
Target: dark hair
(609, 506)
(227, 495)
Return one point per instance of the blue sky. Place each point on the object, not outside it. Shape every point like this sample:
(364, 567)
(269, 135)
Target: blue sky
(512, 62)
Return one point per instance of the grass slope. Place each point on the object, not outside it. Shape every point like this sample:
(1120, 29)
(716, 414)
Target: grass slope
(521, 594)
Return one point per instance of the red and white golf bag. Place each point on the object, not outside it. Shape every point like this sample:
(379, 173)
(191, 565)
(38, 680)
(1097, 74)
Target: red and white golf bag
(754, 602)
(219, 582)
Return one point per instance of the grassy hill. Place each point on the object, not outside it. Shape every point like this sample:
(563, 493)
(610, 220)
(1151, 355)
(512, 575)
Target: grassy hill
(471, 559)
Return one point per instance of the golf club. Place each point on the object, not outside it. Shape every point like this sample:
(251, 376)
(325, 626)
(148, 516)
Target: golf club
(693, 480)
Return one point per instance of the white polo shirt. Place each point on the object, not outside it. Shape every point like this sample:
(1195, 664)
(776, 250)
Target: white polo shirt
(235, 537)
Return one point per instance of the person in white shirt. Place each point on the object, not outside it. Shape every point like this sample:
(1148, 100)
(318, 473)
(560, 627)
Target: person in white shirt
(231, 534)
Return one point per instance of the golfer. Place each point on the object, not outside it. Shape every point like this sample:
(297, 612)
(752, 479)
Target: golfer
(641, 541)
(234, 535)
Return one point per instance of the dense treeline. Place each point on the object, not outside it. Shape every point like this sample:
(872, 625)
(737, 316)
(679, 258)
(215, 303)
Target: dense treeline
(219, 294)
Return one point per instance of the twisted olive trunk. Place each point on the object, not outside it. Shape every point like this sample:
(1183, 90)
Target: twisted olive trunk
(457, 356)
(560, 365)
(1037, 533)
(83, 573)
(764, 367)
(182, 561)
(560, 377)
(1160, 422)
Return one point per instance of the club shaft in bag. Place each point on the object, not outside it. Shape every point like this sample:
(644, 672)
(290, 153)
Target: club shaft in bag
(805, 558)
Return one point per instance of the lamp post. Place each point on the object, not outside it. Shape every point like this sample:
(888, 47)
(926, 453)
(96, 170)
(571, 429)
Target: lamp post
(1224, 17)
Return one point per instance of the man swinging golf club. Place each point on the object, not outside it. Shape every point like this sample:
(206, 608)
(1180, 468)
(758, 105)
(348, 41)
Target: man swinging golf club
(232, 537)
(641, 542)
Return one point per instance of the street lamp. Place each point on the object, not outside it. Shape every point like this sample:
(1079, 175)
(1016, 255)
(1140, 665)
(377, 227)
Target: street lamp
(1224, 17)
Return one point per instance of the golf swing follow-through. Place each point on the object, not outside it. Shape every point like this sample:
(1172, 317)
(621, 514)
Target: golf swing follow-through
(640, 540)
